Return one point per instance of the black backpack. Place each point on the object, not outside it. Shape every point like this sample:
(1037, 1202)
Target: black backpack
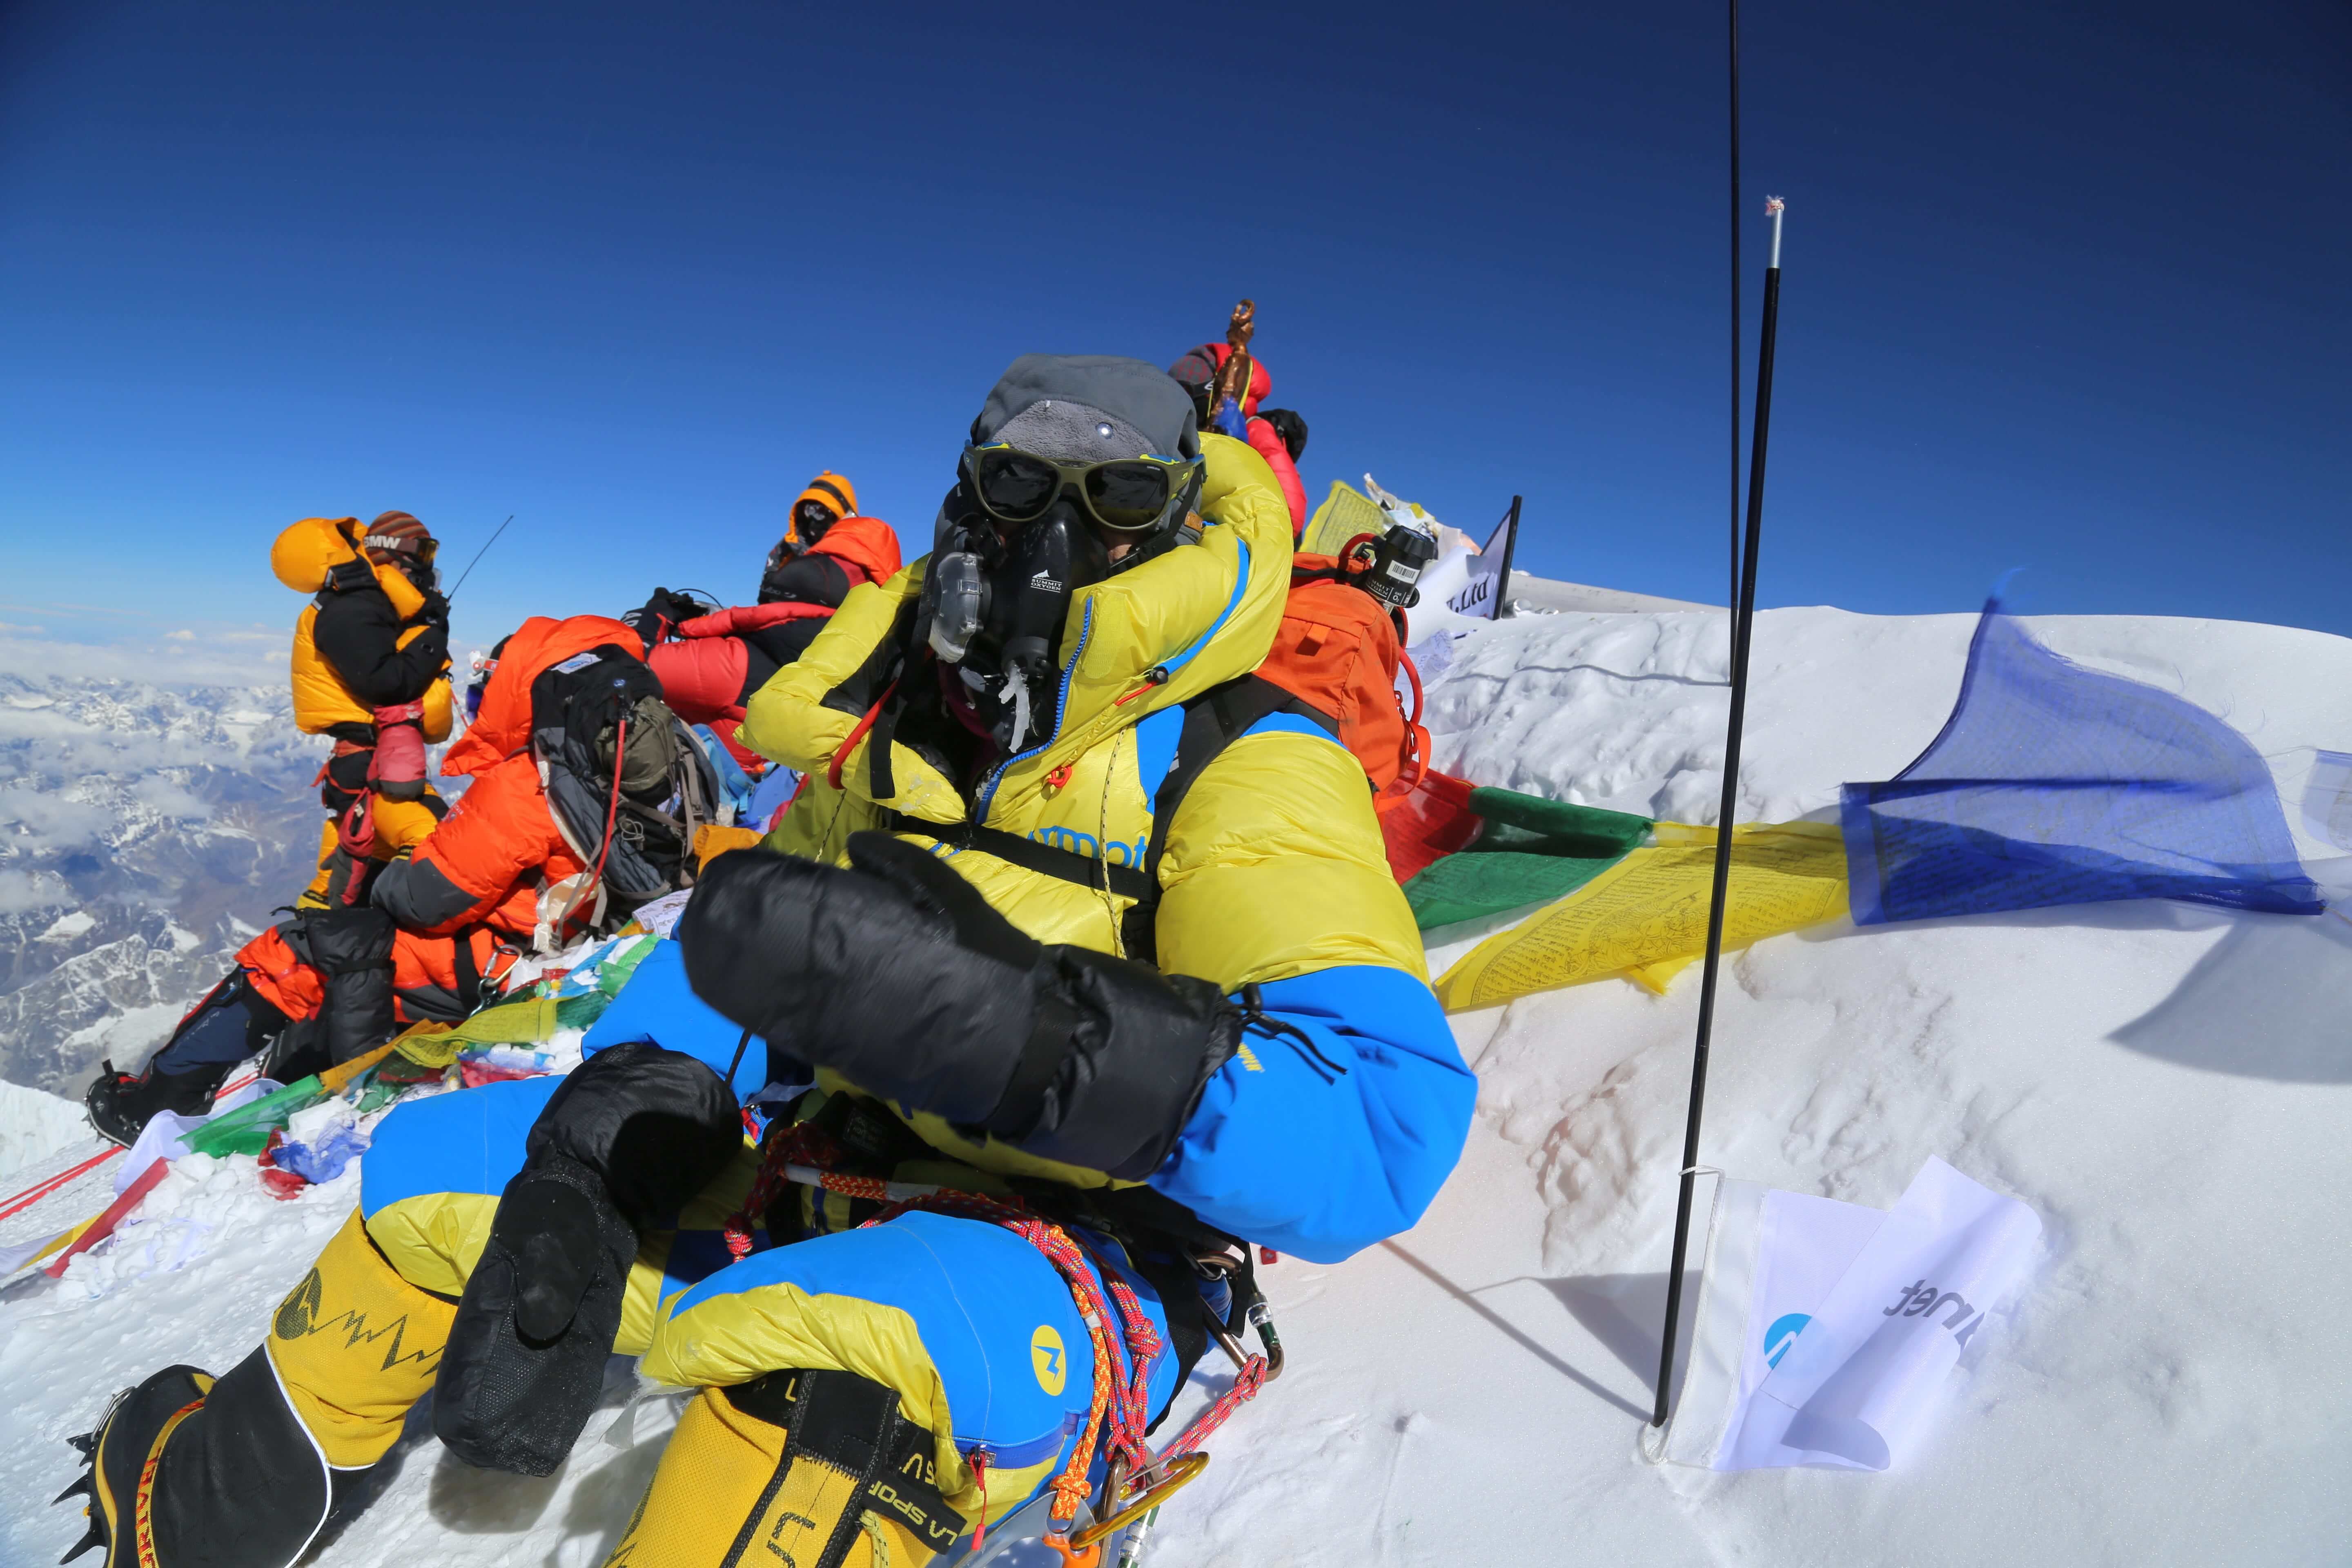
(656, 792)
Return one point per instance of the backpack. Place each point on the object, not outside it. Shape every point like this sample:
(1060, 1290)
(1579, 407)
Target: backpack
(1339, 651)
(612, 754)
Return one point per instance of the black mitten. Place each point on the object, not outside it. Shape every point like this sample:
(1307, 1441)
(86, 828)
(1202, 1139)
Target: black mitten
(662, 614)
(899, 975)
(525, 1359)
(632, 1134)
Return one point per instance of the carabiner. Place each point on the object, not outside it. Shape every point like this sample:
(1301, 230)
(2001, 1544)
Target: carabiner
(1182, 1470)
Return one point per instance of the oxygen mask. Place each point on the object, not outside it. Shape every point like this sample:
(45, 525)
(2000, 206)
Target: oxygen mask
(995, 598)
(1077, 467)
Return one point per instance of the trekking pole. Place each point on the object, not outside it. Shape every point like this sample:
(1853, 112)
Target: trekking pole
(1743, 623)
(476, 561)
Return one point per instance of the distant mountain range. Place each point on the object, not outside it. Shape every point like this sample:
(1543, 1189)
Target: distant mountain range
(146, 831)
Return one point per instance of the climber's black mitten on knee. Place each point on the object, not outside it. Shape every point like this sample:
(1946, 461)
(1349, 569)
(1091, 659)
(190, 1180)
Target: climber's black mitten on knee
(899, 975)
(632, 1134)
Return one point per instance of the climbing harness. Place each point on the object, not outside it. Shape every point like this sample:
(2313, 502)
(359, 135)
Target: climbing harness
(1136, 1481)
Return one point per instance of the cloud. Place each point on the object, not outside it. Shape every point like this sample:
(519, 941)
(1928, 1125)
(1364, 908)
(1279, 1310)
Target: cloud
(173, 800)
(21, 891)
(182, 635)
(38, 821)
(206, 661)
(40, 724)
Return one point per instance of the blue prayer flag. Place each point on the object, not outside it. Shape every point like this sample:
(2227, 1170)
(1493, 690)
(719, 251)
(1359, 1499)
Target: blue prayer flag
(2052, 783)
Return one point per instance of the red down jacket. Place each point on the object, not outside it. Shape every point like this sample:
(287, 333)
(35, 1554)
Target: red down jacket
(1263, 438)
(718, 660)
(498, 859)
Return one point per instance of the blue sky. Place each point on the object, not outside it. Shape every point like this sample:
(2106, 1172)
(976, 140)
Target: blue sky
(2065, 284)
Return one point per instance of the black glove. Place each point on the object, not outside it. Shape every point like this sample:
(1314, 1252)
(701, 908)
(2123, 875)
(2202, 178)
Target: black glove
(632, 1134)
(899, 975)
(660, 615)
(1290, 428)
(436, 611)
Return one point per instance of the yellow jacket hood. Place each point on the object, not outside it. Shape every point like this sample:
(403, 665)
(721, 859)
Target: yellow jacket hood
(305, 553)
(1145, 640)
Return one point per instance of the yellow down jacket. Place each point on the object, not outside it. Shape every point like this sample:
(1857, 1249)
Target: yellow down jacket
(1273, 867)
(301, 557)
(1274, 864)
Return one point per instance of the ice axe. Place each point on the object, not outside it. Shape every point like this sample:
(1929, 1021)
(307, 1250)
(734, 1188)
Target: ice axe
(1234, 376)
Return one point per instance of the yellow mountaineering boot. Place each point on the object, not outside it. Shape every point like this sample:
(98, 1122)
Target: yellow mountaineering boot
(131, 1432)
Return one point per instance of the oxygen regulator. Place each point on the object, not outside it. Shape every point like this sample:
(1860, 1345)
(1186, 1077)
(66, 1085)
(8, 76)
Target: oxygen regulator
(1399, 555)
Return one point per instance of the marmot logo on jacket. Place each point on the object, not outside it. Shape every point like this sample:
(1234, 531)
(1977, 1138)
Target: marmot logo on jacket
(1086, 844)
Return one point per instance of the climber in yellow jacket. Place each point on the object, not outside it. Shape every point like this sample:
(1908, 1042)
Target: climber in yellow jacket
(371, 669)
(1074, 906)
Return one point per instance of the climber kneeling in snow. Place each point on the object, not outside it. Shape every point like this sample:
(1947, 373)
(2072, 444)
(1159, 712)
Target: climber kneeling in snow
(1090, 940)
(585, 797)
(370, 669)
(710, 661)
(586, 794)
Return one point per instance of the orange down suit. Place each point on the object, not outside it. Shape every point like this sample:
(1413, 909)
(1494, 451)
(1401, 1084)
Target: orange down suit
(496, 872)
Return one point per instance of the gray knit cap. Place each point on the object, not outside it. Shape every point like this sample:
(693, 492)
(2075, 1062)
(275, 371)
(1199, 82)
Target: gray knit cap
(1088, 408)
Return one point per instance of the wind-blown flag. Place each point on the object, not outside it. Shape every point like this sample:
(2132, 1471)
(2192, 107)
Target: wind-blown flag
(1826, 1331)
(1489, 572)
(2052, 783)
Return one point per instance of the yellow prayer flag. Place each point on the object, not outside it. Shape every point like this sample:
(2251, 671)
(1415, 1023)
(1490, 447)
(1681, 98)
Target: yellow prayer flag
(1345, 513)
(1647, 913)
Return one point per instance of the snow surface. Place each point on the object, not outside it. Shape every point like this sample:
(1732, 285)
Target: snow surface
(33, 1126)
(2166, 1086)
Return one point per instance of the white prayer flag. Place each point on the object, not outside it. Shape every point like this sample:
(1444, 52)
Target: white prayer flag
(1825, 1329)
(1443, 581)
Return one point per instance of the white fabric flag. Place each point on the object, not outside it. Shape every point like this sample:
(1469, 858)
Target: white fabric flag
(1825, 1329)
(1443, 581)
(1481, 593)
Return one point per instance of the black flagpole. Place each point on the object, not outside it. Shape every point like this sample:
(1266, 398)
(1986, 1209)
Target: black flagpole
(1743, 624)
(1736, 265)
(476, 561)
(1503, 574)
